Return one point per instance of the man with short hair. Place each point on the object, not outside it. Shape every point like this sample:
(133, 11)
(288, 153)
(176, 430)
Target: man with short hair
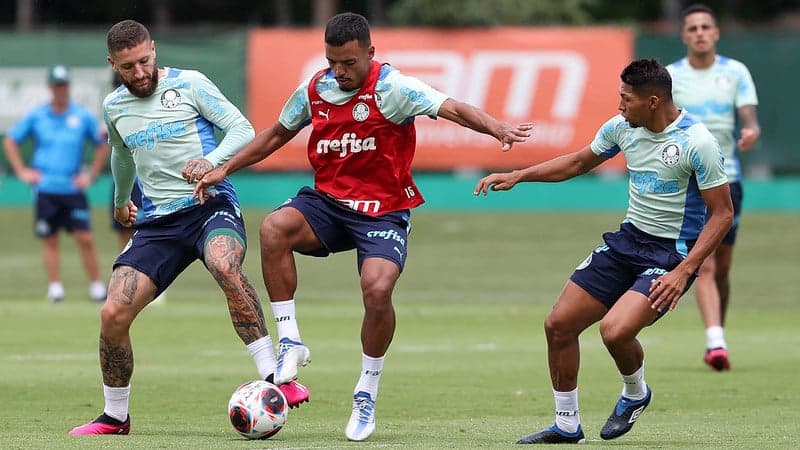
(361, 146)
(60, 129)
(719, 91)
(161, 129)
(639, 272)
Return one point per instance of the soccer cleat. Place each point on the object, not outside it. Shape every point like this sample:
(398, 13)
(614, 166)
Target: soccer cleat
(291, 355)
(55, 293)
(103, 425)
(97, 292)
(362, 420)
(553, 435)
(717, 359)
(294, 392)
(624, 416)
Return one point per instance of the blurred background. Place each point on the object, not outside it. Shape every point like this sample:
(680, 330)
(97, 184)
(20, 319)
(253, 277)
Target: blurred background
(555, 62)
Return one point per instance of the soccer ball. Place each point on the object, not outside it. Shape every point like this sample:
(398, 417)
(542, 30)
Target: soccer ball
(257, 409)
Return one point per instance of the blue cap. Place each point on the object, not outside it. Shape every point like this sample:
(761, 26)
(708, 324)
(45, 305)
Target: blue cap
(58, 74)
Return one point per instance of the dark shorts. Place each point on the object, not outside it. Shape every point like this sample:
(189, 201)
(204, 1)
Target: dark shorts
(630, 259)
(56, 211)
(164, 247)
(340, 228)
(736, 199)
(136, 198)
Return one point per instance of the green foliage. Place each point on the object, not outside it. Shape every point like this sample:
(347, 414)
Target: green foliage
(482, 13)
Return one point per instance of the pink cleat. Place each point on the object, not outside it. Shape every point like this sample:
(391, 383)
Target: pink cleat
(717, 359)
(294, 392)
(104, 425)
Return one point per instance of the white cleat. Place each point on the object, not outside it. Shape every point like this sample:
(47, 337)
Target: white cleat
(55, 293)
(97, 292)
(291, 356)
(362, 420)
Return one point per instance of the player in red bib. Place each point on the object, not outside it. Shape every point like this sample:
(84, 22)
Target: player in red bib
(361, 147)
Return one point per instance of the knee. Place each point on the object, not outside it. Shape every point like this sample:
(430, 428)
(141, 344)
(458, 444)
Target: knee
(613, 334)
(84, 239)
(114, 320)
(708, 269)
(274, 230)
(377, 295)
(557, 329)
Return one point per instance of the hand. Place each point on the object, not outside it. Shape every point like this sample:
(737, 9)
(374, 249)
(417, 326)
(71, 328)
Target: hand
(194, 169)
(508, 135)
(30, 176)
(126, 215)
(747, 139)
(666, 290)
(202, 190)
(82, 181)
(496, 182)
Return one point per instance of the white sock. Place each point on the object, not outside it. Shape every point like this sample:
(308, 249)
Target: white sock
(263, 355)
(715, 337)
(286, 320)
(117, 402)
(567, 417)
(371, 369)
(634, 386)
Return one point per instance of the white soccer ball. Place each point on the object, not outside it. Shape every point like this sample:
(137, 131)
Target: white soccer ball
(257, 409)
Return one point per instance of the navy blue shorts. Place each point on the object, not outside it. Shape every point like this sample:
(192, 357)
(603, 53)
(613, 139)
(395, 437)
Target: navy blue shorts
(736, 199)
(136, 198)
(630, 259)
(56, 211)
(164, 247)
(340, 228)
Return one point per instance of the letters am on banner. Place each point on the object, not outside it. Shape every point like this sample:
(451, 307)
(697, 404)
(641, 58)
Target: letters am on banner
(565, 80)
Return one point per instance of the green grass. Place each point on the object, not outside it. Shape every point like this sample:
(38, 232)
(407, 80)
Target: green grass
(467, 367)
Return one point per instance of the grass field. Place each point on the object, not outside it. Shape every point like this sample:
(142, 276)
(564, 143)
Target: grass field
(467, 367)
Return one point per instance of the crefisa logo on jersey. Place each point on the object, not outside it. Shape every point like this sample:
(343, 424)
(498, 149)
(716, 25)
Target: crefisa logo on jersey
(360, 112)
(170, 98)
(670, 155)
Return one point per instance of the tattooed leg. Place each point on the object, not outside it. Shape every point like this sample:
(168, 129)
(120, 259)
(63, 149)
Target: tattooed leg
(223, 257)
(128, 292)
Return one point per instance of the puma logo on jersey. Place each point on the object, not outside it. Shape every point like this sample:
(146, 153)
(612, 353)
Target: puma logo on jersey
(325, 114)
(349, 143)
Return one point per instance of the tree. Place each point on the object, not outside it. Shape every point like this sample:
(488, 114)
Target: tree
(482, 13)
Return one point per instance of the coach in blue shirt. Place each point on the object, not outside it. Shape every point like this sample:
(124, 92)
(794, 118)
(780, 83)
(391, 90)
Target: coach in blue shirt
(60, 130)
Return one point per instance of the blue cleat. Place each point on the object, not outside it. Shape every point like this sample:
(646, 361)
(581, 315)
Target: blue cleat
(554, 435)
(624, 416)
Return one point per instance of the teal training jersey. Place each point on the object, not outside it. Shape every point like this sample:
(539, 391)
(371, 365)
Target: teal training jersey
(713, 95)
(667, 171)
(401, 98)
(152, 138)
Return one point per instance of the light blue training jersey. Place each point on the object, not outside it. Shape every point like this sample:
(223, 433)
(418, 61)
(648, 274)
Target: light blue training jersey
(152, 138)
(401, 98)
(667, 171)
(713, 95)
(59, 141)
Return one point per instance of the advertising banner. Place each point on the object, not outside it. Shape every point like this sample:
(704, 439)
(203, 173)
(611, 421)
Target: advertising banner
(564, 80)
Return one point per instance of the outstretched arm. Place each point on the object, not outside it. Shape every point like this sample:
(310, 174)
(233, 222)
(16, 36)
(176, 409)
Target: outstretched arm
(264, 144)
(469, 116)
(557, 169)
